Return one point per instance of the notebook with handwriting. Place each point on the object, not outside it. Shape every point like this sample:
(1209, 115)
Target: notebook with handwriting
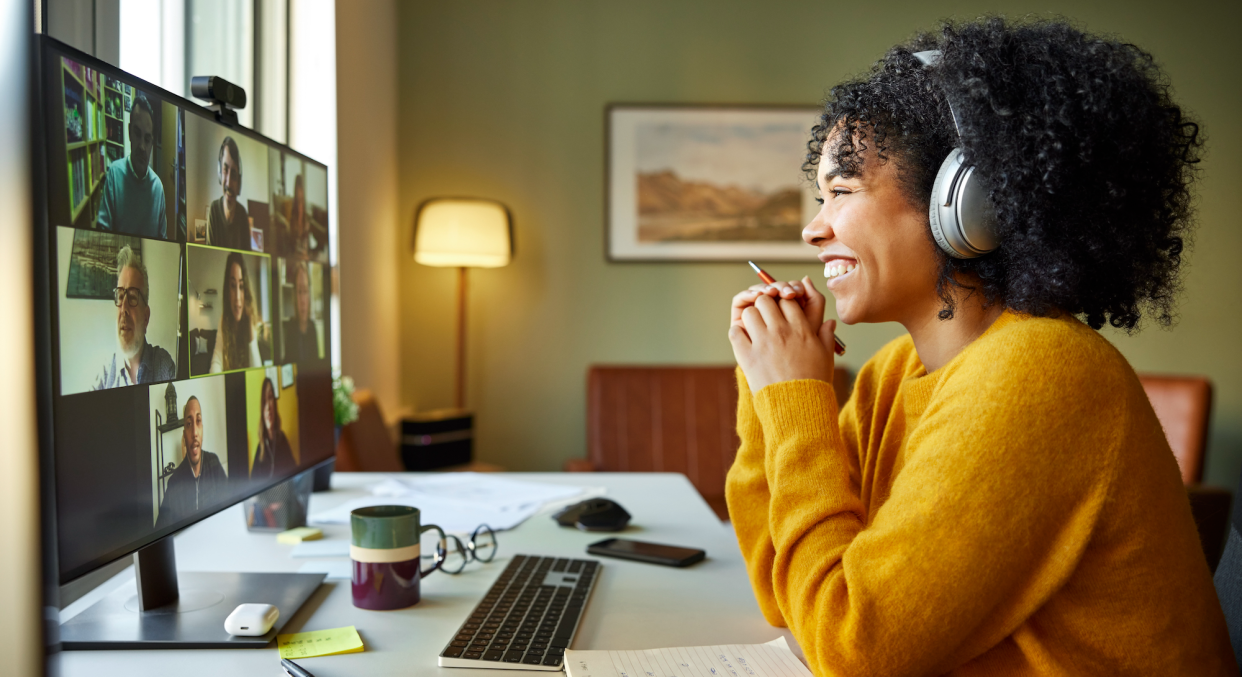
(773, 659)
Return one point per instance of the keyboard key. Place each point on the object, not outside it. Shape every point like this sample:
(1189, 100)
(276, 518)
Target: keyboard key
(472, 655)
(556, 651)
(459, 643)
(513, 656)
(533, 660)
(492, 655)
(552, 660)
(452, 652)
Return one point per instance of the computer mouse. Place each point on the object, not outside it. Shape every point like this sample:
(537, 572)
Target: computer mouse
(594, 514)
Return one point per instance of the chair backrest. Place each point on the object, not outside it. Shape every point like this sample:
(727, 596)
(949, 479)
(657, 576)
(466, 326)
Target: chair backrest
(1183, 404)
(669, 419)
(366, 445)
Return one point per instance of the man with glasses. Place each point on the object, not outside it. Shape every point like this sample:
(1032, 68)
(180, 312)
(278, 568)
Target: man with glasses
(133, 196)
(135, 360)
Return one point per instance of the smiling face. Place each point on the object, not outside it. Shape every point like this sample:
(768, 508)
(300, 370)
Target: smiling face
(879, 260)
(230, 176)
(192, 432)
(235, 291)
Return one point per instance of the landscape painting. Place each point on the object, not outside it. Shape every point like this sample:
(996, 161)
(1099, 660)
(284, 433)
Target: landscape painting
(709, 183)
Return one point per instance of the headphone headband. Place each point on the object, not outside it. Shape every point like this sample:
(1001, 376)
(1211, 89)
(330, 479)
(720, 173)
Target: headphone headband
(961, 217)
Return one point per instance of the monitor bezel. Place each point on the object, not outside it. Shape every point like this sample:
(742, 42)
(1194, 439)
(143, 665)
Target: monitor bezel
(47, 330)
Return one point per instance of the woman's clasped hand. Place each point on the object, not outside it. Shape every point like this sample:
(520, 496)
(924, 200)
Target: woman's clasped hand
(779, 334)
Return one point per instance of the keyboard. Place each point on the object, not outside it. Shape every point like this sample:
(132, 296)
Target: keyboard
(528, 617)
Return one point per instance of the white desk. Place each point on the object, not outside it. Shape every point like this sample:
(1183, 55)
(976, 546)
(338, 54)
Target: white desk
(634, 605)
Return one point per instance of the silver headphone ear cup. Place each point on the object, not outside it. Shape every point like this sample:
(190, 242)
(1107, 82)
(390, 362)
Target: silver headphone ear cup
(975, 218)
(960, 216)
(940, 195)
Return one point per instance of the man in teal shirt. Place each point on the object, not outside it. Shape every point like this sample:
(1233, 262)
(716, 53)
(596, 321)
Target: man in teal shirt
(133, 196)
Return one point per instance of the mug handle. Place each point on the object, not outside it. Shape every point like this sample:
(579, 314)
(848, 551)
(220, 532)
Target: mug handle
(441, 549)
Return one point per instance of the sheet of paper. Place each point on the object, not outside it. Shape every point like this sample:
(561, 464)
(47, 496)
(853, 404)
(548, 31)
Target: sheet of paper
(478, 488)
(319, 643)
(460, 502)
(773, 659)
(334, 568)
(336, 547)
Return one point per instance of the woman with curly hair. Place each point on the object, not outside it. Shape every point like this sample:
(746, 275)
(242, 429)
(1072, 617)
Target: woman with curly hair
(237, 340)
(997, 495)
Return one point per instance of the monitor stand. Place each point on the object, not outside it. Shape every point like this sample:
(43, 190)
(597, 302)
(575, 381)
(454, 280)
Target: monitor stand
(183, 611)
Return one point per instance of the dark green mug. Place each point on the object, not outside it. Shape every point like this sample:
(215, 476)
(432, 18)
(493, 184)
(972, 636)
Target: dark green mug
(384, 545)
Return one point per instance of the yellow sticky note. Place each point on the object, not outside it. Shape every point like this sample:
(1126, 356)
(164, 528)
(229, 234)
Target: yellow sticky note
(319, 643)
(295, 536)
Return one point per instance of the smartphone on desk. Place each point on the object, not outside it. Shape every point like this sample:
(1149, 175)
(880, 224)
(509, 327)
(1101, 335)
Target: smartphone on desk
(651, 553)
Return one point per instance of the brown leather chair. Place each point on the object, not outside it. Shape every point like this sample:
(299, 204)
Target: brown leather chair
(1183, 404)
(668, 419)
(366, 445)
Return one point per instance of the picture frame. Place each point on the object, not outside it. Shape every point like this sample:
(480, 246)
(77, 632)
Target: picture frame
(92, 263)
(687, 183)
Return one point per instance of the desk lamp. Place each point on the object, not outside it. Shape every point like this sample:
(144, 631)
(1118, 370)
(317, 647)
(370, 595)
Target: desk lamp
(463, 233)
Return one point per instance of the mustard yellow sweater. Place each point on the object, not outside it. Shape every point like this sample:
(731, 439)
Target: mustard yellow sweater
(1016, 512)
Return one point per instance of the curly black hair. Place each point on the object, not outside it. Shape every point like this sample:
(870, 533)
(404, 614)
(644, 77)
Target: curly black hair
(1086, 159)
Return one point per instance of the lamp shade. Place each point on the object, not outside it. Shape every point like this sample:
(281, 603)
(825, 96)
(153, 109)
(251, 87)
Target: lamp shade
(463, 232)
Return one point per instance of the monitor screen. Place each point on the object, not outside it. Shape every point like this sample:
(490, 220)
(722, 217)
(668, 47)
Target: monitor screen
(189, 310)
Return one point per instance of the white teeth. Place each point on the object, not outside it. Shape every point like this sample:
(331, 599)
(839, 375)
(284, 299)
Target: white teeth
(831, 271)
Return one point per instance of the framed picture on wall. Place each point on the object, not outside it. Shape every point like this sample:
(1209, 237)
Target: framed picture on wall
(708, 183)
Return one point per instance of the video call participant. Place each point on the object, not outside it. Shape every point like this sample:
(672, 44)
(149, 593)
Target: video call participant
(237, 340)
(228, 225)
(199, 481)
(301, 339)
(133, 196)
(299, 222)
(273, 456)
(135, 360)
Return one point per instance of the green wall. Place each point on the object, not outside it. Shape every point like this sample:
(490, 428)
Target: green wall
(505, 99)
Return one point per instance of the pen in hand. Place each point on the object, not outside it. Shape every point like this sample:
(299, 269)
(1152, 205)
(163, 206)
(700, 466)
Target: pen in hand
(839, 348)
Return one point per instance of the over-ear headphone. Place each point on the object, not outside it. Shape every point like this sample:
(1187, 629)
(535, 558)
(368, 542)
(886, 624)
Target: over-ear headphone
(962, 221)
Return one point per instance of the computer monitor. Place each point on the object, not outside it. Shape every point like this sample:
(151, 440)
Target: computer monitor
(183, 278)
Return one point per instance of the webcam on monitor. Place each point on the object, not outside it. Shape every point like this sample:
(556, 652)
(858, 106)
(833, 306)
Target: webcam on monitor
(224, 96)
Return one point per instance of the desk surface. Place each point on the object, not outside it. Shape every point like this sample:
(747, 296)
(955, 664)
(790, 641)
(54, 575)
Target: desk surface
(634, 605)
